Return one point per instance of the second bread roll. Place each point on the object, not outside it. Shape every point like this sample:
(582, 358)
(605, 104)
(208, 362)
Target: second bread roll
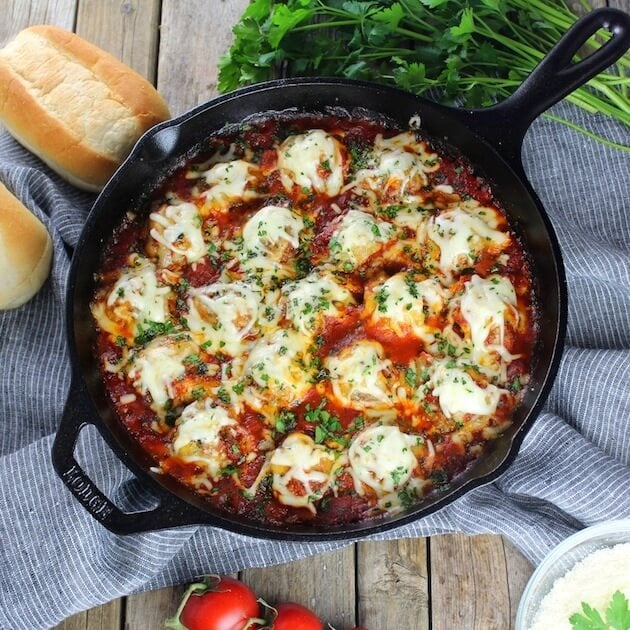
(75, 106)
(25, 252)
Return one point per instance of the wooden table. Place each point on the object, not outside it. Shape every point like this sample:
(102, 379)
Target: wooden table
(451, 582)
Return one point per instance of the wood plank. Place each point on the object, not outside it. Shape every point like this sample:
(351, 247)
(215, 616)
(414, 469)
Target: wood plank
(18, 14)
(150, 610)
(128, 29)
(324, 583)
(187, 71)
(469, 583)
(519, 569)
(624, 5)
(392, 584)
(106, 617)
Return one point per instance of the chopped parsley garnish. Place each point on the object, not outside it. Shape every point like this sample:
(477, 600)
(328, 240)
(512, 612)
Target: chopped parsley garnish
(411, 285)
(408, 497)
(391, 212)
(439, 478)
(410, 377)
(198, 392)
(381, 299)
(360, 155)
(182, 286)
(153, 330)
(229, 470)
(328, 426)
(398, 473)
(194, 360)
(223, 395)
(238, 388)
(171, 413)
(285, 422)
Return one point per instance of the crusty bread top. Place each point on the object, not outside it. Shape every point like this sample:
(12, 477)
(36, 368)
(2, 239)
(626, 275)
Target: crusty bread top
(74, 105)
(25, 251)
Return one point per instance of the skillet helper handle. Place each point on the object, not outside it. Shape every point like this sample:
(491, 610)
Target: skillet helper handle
(556, 76)
(75, 417)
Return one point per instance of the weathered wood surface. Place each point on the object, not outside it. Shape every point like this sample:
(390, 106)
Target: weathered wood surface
(128, 29)
(444, 582)
(194, 34)
(325, 583)
(393, 584)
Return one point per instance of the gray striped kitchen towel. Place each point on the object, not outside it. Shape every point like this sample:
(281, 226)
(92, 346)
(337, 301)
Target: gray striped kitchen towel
(573, 469)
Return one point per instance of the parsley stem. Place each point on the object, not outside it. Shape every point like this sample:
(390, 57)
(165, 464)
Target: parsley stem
(319, 25)
(586, 132)
(414, 35)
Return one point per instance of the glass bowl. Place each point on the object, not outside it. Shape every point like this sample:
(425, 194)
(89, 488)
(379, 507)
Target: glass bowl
(563, 558)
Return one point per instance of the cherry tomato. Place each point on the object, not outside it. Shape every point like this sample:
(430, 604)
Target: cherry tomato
(226, 604)
(292, 616)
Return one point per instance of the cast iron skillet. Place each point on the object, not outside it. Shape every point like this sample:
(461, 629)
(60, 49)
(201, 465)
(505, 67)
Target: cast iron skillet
(490, 138)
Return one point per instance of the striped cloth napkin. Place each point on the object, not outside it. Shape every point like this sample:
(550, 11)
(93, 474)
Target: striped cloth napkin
(573, 469)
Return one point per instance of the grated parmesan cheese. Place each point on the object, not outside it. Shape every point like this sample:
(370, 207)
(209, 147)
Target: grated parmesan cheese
(593, 580)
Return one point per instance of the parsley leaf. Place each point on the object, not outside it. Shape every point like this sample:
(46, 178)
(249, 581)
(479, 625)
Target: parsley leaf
(153, 329)
(617, 616)
(618, 612)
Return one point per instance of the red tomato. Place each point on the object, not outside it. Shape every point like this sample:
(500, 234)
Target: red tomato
(224, 605)
(292, 616)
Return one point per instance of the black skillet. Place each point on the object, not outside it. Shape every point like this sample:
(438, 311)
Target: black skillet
(491, 138)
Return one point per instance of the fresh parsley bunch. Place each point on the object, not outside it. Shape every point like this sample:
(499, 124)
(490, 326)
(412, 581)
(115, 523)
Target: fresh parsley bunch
(468, 52)
(617, 616)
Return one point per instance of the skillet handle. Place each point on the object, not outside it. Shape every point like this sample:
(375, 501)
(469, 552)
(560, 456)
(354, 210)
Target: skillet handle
(556, 76)
(170, 512)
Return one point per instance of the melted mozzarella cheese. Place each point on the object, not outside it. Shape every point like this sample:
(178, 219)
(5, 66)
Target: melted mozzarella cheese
(461, 236)
(269, 240)
(484, 305)
(229, 182)
(312, 160)
(198, 436)
(458, 393)
(310, 300)
(410, 216)
(357, 236)
(301, 471)
(272, 229)
(223, 316)
(156, 366)
(398, 167)
(135, 297)
(381, 458)
(357, 375)
(178, 228)
(405, 304)
(278, 365)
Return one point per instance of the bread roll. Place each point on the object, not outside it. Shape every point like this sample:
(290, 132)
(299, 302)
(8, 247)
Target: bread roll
(75, 106)
(25, 252)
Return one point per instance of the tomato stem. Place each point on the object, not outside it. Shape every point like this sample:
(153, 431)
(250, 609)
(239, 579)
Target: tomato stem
(257, 621)
(209, 582)
(270, 613)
